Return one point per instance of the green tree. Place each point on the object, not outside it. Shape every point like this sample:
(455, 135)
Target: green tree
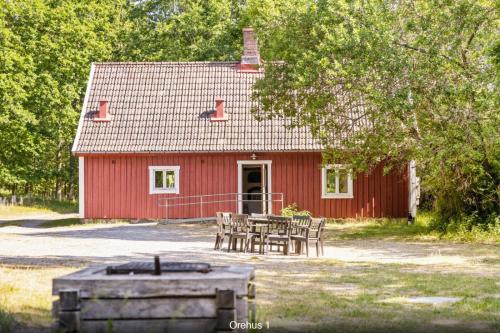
(406, 80)
(201, 30)
(46, 50)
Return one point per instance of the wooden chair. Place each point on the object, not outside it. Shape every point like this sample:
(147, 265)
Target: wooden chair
(223, 228)
(278, 233)
(258, 228)
(313, 234)
(240, 229)
(299, 225)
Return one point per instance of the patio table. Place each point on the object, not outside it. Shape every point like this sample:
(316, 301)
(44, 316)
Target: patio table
(261, 224)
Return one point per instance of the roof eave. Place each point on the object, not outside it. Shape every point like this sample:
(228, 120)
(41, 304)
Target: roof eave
(84, 108)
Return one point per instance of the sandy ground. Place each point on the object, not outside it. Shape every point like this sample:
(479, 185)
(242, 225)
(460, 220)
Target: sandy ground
(93, 244)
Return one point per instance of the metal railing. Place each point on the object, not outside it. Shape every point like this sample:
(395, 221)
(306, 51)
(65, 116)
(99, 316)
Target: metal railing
(206, 199)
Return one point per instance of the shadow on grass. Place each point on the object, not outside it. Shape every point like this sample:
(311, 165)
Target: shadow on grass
(62, 223)
(45, 224)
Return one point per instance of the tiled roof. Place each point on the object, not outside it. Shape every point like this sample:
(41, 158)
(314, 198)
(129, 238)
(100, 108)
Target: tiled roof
(164, 107)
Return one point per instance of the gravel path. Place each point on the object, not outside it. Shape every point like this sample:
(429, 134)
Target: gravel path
(105, 243)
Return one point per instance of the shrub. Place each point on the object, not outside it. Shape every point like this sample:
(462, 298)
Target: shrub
(293, 209)
(6, 321)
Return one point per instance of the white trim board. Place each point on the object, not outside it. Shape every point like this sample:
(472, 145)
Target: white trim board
(81, 187)
(84, 108)
(269, 181)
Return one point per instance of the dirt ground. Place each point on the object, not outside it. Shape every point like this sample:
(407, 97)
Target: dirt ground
(92, 244)
(339, 272)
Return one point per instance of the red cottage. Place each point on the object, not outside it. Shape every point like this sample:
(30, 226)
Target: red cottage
(178, 140)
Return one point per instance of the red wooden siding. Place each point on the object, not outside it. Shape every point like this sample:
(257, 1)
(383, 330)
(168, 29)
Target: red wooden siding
(117, 186)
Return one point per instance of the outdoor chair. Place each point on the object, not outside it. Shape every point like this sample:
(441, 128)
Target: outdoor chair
(313, 234)
(299, 225)
(240, 229)
(278, 233)
(223, 228)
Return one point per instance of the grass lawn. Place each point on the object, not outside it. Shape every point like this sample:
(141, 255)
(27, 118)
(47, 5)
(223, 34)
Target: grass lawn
(360, 297)
(77, 222)
(399, 230)
(36, 206)
(352, 297)
(320, 295)
(25, 296)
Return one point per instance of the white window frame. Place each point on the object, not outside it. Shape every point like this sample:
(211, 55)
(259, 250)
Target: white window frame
(153, 189)
(324, 179)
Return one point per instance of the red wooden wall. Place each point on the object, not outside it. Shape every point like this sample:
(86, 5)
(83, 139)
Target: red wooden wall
(117, 186)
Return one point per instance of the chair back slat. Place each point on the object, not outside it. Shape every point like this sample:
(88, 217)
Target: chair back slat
(316, 227)
(279, 225)
(226, 218)
(239, 223)
(301, 220)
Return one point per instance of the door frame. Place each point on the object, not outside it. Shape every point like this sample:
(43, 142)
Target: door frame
(269, 182)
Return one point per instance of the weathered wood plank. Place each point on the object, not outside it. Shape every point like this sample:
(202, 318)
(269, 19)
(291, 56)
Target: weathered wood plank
(152, 325)
(155, 308)
(69, 300)
(69, 321)
(94, 283)
(225, 299)
(224, 318)
(141, 288)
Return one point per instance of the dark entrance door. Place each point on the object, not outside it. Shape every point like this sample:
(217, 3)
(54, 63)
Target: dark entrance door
(254, 187)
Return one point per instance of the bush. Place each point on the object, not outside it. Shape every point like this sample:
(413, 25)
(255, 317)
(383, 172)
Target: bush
(293, 209)
(467, 228)
(6, 321)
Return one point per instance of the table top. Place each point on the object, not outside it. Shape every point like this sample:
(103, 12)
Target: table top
(258, 219)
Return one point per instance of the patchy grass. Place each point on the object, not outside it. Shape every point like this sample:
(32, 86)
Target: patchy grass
(78, 222)
(317, 296)
(25, 296)
(354, 297)
(62, 223)
(39, 206)
(399, 229)
(6, 321)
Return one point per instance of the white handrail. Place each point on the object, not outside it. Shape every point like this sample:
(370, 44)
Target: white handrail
(164, 202)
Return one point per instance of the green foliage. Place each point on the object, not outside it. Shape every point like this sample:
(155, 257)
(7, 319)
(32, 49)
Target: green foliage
(425, 228)
(467, 228)
(293, 209)
(47, 47)
(417, 80)
(6, 321)
(424, 74)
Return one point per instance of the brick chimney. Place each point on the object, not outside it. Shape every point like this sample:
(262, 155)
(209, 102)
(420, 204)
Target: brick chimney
(250, 60)
(102, 114)
(219, 114)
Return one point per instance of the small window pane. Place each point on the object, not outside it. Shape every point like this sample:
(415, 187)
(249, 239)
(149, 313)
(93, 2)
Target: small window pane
(343, 180)
(158, 179)
(170, 179)
(330, 181)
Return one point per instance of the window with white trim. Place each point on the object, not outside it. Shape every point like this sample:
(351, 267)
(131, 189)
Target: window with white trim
(336, 182)
(164, 179)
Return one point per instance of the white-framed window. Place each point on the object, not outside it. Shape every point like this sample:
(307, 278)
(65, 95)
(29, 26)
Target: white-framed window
(164, 179)
(336, 182)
